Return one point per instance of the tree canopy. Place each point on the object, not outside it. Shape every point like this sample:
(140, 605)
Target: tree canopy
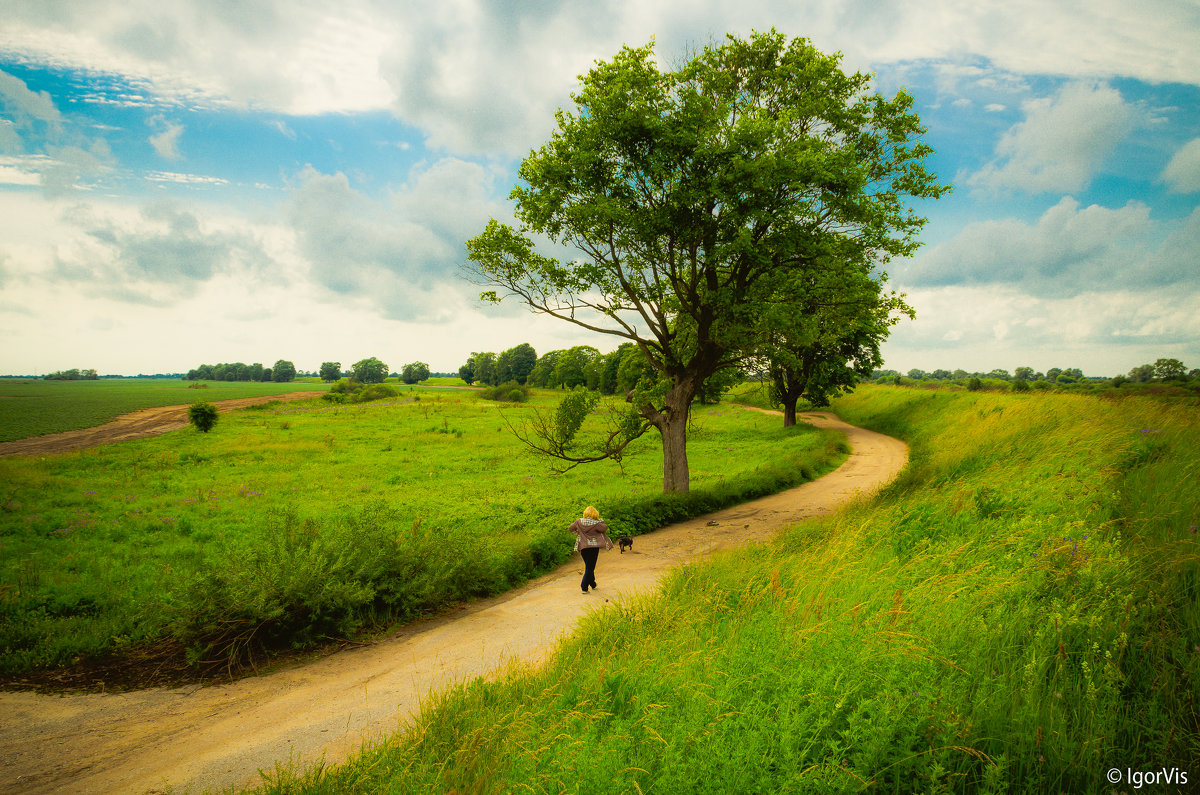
(692, 198)
(369, 370)
(816, 349)
(414, 373)
(283, 371)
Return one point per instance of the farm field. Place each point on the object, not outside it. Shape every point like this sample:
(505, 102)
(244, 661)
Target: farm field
(37, 407)
(291, 524)
(1018, 612)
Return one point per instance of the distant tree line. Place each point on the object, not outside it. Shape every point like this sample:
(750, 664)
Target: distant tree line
(1163, 370)
(283, 371)
(373, 371)
(1023, 378)
(74, 374)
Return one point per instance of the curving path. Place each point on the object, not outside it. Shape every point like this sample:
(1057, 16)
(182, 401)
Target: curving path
(199, 738)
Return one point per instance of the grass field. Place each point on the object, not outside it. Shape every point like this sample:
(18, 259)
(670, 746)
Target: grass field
(1019, 612)
(291, 523)
(37, 407)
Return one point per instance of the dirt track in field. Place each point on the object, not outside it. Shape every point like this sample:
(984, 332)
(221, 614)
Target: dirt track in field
(135, 425)
(199, 738)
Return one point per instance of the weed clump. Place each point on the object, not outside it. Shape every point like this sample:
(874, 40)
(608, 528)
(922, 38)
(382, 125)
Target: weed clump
(203, 415)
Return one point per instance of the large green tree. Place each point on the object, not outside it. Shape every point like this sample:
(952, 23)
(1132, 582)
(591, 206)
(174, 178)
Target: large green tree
(692, 196)
(819, 347)
(414, 372)
(1169, 369)
(283, 371)
(369, 371)
(516, 363)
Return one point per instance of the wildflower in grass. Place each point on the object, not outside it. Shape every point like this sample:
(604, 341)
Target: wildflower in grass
(1192, 529)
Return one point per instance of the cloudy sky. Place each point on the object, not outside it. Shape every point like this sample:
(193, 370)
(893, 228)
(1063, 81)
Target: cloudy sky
(188, 181)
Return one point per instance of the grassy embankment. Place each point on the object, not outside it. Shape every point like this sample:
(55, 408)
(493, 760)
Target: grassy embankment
(33, 408)
(289, 524)
(1018, 613)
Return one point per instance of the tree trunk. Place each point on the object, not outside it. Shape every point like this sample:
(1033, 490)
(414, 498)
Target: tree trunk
(676, 478)
(789, 412)
(672, 423)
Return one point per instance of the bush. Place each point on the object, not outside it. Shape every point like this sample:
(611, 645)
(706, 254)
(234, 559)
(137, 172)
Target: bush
(974, 384)
(509, 391)
(203, 415)
(350, 390)
(1020, 385)
(375, 392)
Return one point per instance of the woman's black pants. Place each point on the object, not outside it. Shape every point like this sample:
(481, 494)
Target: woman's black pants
(589, 567)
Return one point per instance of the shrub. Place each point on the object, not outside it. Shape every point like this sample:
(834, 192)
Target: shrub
(203, 415)
(974, 384)
(375, 392)
(350, 390)
(1020, 385)
(509, 391)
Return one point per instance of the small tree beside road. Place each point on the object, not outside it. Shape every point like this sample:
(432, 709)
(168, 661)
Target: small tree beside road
(203, 415)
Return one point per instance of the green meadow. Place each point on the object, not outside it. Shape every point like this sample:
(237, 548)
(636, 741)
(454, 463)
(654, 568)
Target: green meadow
(37, 407)
(289, 525)
(1018, 612)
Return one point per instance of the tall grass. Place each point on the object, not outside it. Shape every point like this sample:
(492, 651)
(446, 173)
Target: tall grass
(1017, 613)
(287, 525)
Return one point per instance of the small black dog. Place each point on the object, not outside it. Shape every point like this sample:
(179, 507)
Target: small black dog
(625, 543)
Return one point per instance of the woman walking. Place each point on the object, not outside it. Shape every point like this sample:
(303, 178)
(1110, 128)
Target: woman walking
(593, 537)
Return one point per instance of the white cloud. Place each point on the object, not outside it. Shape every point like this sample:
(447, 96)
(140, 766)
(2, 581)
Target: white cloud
(396, 254)
(1182, 174)
(158, 255)
(477, 76)
(1062, 142)
(24, 106)
(166, 142)
(995, 107)
(1103, 333)
(71, 168)
(184, 179)
(24, 170)
(283, 128)
(1070, 249)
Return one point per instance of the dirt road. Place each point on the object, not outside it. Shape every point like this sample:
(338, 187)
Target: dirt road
(135, 425)
(197, 738)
